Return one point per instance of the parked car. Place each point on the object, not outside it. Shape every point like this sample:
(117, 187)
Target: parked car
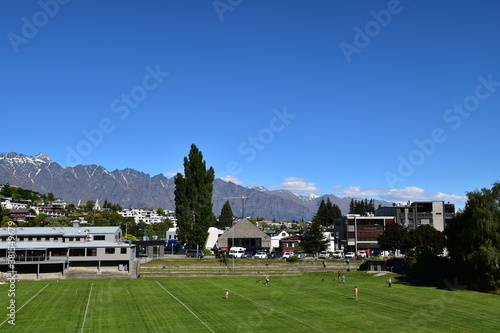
(247, 255)
(273, 255)
(300, 254)
(350, 255)
(260, 255)
(195, 253)
(287, 255)
(338, 254)
(375, 253)
(362, 253)
(324, 255)
(222, 253)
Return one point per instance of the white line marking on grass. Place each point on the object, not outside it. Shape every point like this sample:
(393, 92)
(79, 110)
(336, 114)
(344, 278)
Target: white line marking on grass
(271, 309)
(87, 308)
(354, 308)
(185, 307)
(22, 306)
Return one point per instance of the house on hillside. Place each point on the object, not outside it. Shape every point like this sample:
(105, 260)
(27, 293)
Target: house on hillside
(22, 215)
(245, 234)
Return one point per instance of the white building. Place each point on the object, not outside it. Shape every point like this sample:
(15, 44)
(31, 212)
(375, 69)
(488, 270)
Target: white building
(275, 240)
(148, 216)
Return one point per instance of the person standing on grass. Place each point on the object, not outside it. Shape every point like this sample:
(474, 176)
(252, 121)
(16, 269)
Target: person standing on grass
(267, 279)
(343, 278)
(389, 282)
(356, 293)
(227, 294)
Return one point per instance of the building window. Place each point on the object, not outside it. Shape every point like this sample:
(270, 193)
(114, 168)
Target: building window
(110, 250)
(123, 250)
(71, 239)
(99, 237)
(77, 252)
(91, 252)
(39, 238)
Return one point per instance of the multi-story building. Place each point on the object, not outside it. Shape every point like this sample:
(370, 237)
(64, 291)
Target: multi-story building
(54, 249)
(363, 231)
(148, 216)
(434, 213)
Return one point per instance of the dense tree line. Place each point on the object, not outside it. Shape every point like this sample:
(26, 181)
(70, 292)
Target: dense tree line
(327, 213)
(362, 207)
(473, 239)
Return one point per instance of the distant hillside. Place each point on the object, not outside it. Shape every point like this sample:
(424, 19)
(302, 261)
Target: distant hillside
(134, 189)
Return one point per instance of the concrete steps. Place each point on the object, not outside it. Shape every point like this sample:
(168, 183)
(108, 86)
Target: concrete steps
(251, 268)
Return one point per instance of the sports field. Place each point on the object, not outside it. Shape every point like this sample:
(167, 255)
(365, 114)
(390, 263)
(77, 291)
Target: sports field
(303, 303)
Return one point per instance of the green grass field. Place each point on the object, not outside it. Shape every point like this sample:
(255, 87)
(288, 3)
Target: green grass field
(289, 304)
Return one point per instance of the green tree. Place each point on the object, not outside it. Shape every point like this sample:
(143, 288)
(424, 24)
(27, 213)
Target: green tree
(314, 241)
(328, 212)
(393, 237)
(226, 217)
(473, 239)
(362, 207)
(160, 211)
(424, 239)
(50, 197)
(193, 199)
(421, 246)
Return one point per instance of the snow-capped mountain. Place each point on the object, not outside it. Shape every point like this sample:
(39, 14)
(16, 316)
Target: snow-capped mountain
(131, 188)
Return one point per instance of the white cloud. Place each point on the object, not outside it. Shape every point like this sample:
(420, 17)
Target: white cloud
(299, 185)
(170, 174)
(412, 193)
(232, 179)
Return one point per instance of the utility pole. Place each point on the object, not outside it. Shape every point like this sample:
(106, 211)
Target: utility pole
(242, 197)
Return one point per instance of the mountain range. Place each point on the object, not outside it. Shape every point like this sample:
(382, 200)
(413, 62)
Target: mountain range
(134, 189)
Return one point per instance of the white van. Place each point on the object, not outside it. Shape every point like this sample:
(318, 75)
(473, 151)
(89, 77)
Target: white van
(236, 252)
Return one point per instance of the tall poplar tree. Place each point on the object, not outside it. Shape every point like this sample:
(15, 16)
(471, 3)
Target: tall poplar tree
(193, 199)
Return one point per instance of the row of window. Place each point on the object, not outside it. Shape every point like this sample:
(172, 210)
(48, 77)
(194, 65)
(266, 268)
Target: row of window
(55, 238)
(92, 252)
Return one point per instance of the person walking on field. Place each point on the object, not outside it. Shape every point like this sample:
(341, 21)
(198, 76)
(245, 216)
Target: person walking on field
(356, 293)
(389, 282)
(227, 294)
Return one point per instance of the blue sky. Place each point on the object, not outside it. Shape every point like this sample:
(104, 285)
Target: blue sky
(398, 100)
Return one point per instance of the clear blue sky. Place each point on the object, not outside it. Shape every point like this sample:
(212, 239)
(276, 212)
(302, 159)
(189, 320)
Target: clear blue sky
(396, 100)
